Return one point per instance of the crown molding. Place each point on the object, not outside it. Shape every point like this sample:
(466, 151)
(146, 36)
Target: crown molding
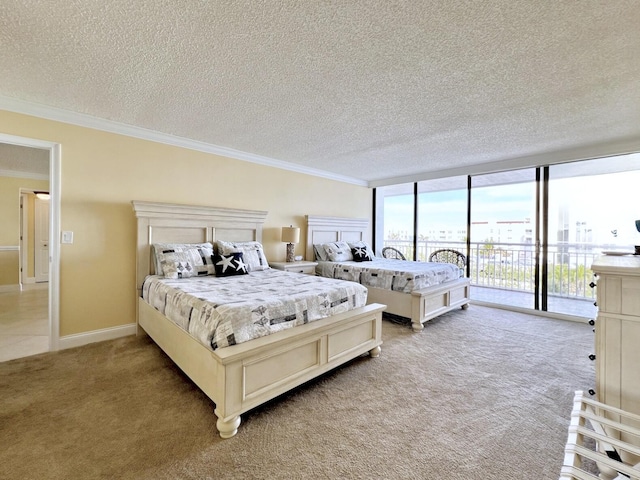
(88, 121)
(619, 147)
(15, 174)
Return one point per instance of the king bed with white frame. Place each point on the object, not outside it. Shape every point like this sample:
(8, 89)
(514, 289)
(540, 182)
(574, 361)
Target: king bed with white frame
(240, 377)
(420, 305)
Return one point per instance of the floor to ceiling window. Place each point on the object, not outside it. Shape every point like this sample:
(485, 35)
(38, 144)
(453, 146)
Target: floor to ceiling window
(503, 238)
(592, 209)
(395, 219)
(442, 216)
(530, 234)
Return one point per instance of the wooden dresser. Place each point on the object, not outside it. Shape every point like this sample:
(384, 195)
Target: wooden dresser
(617, 341)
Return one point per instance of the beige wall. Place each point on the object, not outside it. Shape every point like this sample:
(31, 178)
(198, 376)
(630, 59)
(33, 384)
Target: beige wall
(103, 172)
(10, 224)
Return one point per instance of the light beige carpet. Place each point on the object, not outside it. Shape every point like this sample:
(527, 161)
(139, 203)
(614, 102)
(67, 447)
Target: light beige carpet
(479, 394)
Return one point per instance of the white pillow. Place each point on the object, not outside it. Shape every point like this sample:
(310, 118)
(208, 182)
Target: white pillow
(199, 254)
(338, 251)
(252, 252)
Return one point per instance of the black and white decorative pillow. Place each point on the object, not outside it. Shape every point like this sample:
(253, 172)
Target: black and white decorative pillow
(228, 265)
(253, 253)
(362, 246)
(338, 251)
(360, 254)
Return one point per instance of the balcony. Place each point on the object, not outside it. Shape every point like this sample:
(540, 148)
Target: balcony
(504, 273)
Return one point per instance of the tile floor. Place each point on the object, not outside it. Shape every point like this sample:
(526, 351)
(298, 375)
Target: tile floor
(24, 323)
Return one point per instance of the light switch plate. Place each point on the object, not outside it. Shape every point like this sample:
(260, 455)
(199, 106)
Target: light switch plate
(67, 237)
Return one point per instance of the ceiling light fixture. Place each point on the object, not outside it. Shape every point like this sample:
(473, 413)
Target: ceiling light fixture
(43, 195)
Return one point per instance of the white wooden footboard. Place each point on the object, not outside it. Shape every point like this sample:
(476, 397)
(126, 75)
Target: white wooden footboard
(244, 376)
(430, 302)
(425, 304)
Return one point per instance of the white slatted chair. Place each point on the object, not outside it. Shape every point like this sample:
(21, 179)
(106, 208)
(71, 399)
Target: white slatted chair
(606, 431)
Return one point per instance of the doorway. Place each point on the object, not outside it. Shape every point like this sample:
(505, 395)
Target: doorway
(43, 292)
(34, 237)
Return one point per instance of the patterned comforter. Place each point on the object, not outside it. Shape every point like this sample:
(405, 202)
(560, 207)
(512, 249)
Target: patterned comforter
(397, 275)
(223, 311)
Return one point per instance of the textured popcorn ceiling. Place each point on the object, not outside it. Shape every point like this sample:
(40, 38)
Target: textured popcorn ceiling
(15, 159)
(364, 89)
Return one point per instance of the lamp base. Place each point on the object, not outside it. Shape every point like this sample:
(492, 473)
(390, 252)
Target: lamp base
(290, 252)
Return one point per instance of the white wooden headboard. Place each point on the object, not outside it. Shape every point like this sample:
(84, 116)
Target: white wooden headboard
(172, 223)
(331, 229)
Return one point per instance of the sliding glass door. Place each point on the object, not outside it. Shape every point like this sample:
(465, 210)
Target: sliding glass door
(504, 238)
(593, 206)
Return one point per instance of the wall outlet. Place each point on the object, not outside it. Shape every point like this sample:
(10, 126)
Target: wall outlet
(67, 237)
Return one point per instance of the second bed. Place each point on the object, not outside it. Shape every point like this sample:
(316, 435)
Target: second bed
(416, 290)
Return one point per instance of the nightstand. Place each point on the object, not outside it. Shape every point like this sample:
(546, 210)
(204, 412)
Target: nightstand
(297, 267)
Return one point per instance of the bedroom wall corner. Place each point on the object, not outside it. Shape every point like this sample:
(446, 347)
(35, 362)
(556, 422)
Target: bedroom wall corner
(101, 335)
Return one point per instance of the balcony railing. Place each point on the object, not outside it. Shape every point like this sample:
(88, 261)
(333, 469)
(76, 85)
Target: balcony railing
(511, 266)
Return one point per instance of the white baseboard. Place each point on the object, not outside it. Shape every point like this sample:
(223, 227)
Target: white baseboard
(35, 286)
(30, 286)
(9, 288)
(80, 339)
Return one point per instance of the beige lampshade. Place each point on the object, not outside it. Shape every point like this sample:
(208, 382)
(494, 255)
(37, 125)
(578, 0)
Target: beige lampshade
(290, 234)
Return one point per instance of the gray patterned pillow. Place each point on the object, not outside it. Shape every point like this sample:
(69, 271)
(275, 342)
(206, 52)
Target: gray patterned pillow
(321, 255)
(338, 251)
(252, 252)
(199, 253)
(181, 265)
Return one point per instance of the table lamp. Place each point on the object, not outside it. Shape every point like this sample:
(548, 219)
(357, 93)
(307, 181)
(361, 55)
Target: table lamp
(290, 235)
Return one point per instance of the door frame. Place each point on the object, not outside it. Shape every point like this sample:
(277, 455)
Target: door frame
(22, 258)
(54, 227)
(41, 207)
